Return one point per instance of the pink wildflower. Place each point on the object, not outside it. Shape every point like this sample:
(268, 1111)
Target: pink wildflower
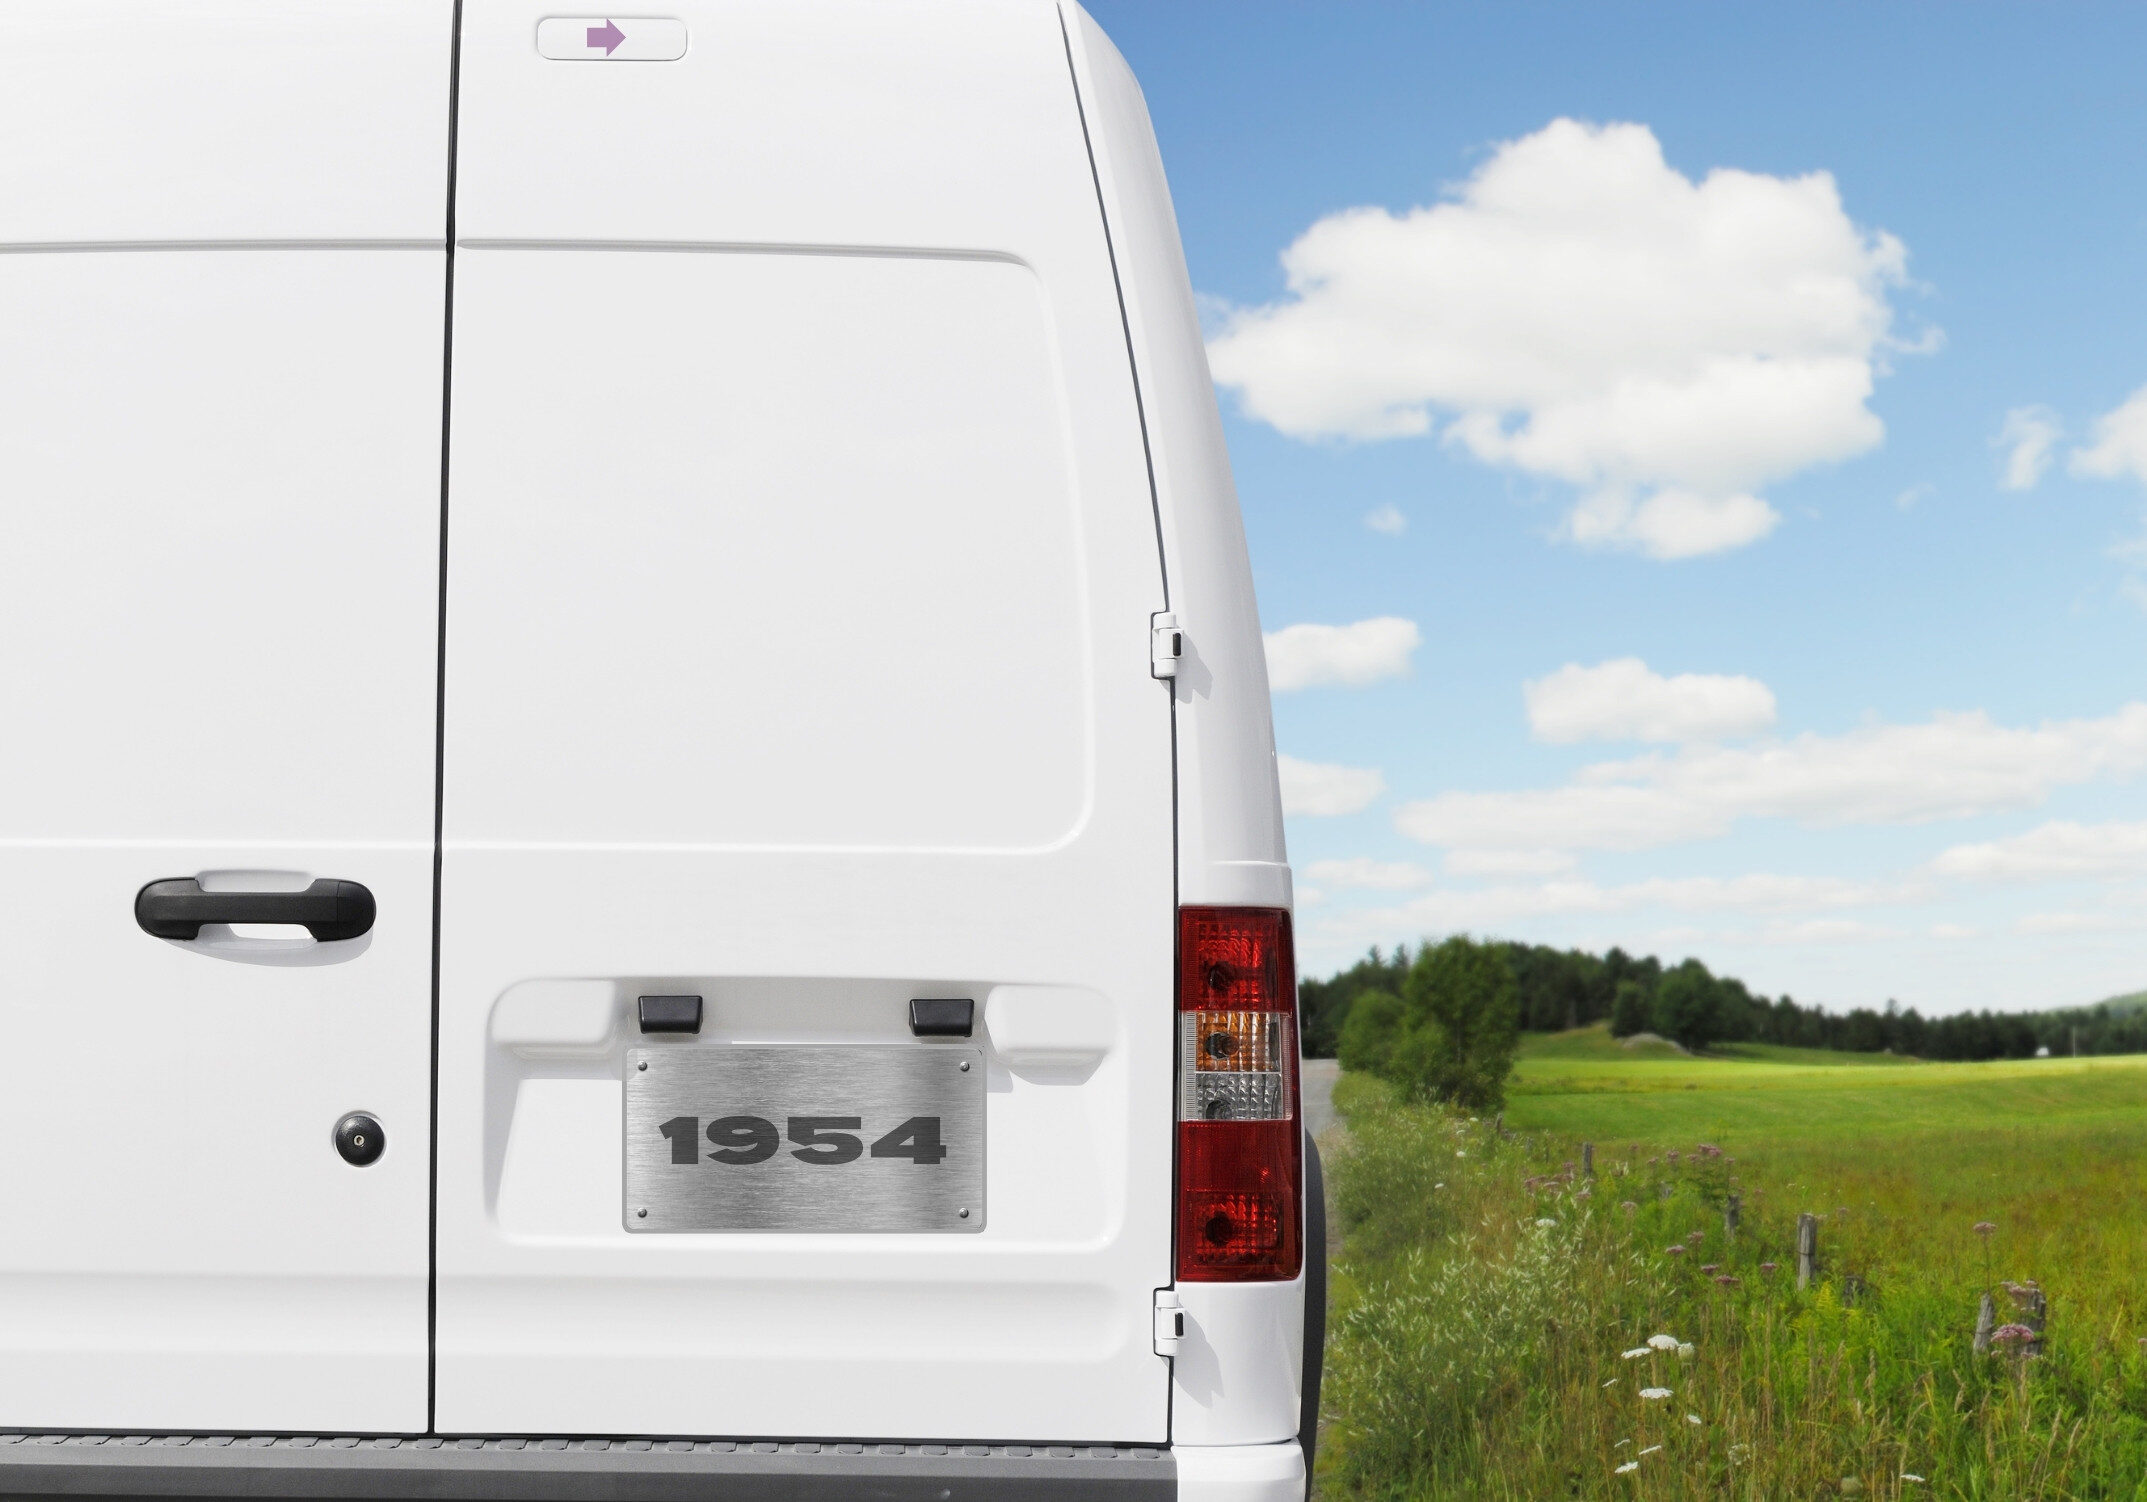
(1710, 1267)
(2009, 1334)
(1725, 1280)
(1983, 1228)
(1768, 1267)
(1675, 1249)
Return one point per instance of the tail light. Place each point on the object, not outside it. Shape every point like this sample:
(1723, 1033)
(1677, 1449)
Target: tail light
(1239, 1178)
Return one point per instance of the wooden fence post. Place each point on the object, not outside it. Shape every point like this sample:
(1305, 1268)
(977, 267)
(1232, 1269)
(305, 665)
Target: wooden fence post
(2034, 1312)
(1587, 1159)
(1807, 1248)
(1986, 1321)
(1731, 1207)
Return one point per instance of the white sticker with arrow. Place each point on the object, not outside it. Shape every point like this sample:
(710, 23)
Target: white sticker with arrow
(624, 39)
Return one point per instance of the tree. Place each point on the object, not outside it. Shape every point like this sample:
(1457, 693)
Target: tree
(1370, 1031)
(1629, 1012)
(1461, 1021)
(1323, 1005)
(1688, 1006)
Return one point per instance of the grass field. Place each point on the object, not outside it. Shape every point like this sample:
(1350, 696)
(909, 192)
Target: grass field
(1486, 1291)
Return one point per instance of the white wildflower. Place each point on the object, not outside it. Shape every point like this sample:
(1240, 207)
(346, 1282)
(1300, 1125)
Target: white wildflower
(1651, 1449)
(1636, 1351)
(1613, 1382)
(1652, 1394)
(1692, 1418)
(1546, 1222)
(1459, 1153)
(1630, 1465)
(1438, 1186)
(1910, 1476)
(1621, 1444)
(1663, 1342)
(1684, 1351)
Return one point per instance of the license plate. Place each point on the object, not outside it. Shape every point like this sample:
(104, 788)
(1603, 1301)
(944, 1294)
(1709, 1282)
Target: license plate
(804, 1138)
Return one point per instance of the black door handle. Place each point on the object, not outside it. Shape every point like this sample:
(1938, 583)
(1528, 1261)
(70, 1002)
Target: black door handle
(328, 909)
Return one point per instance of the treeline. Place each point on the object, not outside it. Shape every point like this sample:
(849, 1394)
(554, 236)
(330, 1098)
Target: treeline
(1566, 988)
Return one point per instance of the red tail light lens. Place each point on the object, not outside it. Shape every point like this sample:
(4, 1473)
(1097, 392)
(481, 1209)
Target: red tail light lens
(1240, 1182)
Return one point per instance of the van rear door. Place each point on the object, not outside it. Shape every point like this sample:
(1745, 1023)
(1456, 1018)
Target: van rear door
(222, 278)
(801, 566)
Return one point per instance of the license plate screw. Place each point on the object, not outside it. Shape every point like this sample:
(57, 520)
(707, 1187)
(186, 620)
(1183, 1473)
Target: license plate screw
(965, 1070)
(963, 1212)
(643, 1066)
(644, 1215)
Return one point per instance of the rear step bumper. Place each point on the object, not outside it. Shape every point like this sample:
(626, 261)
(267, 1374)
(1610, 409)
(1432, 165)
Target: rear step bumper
(575, 1470)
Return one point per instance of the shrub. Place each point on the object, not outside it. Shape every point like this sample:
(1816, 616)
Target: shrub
(1461, 1021)
(1369, 1033)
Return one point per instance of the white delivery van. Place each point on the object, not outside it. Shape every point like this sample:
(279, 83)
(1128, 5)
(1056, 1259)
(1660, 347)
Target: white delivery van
(637, 815)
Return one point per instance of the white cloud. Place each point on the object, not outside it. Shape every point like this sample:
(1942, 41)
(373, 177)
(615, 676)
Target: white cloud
(2058, 849)
(1670, 524)
(1581, 311)
(1825, 931)
(2029, 435)
(1456, 910)
(1310, 656)
(2119, 449)
(1316, 789)
(2065, 923)
(1954, 766)
(1508, 862)
(1385, 876)
(1952, 931)
(1387, 519)
(1623, 700)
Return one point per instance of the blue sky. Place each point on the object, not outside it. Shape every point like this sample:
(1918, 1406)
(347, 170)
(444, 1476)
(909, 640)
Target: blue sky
(1811, 505)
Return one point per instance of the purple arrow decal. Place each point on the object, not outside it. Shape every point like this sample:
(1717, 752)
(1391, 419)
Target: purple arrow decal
(607, 36)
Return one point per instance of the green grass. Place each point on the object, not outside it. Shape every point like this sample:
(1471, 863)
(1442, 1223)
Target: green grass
(1470, 1344)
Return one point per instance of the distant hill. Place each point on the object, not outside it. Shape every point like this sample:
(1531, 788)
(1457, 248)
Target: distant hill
(2131, 1001)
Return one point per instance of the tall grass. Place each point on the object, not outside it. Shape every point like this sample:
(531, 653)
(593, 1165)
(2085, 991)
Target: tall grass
(1487, 1294)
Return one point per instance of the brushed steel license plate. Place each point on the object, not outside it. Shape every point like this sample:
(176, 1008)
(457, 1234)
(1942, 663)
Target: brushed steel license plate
(805, 1137)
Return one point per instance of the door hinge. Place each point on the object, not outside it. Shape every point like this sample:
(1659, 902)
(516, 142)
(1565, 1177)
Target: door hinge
(1166, 644)
(1170, 1321)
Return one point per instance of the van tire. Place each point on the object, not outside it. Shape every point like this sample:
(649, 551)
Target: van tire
(1308, 1405)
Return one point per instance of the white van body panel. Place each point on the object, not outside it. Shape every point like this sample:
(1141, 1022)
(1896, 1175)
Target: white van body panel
(1241, 1473)
(1230, 847)
(1236, 1379)
(153, 123)
(221, 300)
(801, 561)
